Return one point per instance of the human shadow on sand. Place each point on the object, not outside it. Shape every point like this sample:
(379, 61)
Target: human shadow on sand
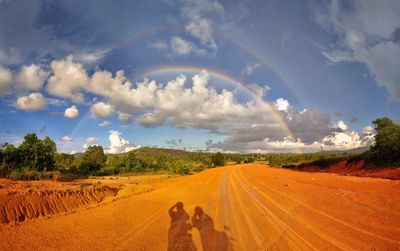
(179, 237)
(179, 233)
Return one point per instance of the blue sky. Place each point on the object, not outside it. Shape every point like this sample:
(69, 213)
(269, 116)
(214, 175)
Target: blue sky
(243, 76)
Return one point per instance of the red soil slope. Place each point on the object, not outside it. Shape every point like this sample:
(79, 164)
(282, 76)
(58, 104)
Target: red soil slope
(359, 168)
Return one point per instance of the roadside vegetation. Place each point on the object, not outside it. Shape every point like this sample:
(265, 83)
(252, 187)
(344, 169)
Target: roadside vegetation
(36, 158)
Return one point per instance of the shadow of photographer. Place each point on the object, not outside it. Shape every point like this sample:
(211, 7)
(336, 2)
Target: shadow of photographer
(179, 233)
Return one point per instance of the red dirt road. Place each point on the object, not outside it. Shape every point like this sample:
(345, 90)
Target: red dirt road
(239, 207)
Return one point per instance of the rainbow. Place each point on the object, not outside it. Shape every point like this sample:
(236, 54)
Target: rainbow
(248, 50)
(154, 71)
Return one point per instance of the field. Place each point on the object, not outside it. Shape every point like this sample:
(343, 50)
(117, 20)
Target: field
(236, 207)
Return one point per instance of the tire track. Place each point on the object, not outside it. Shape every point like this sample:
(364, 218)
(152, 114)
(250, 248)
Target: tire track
(336, 220)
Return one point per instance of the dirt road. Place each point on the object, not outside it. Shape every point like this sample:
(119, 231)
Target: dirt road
(239, 207)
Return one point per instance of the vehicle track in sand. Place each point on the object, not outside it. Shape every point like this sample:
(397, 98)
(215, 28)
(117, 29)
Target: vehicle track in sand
(242, 207)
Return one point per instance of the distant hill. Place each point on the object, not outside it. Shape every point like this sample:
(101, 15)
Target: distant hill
(161, 151)
(351, 151)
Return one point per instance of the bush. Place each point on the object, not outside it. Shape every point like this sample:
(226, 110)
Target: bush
(218, 159)
(92, 160)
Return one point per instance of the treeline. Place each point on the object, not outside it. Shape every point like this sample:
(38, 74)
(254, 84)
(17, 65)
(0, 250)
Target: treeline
(33, 154)
(37, 158)
(383, 153)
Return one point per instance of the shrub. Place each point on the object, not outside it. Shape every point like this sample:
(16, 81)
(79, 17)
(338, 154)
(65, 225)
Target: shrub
(218, 159)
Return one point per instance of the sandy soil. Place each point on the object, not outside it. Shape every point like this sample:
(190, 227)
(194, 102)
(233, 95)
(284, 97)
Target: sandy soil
(238, 207)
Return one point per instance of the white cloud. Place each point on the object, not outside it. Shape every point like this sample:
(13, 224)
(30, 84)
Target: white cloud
(120, 91)
(33, 102)
(105, 123)
(101, 110)
(89, 57)
(249, 69)
(201, 28)
(6, 80)
(118, 144)
(366, 33)
(259, 90)
(281, 104)
(199, 24)
(343, 140)
(181, 46)
(31, 77)
(71, 112)
(68, 80)
(91, 140)
(67, 138)
(85, 146)
(341, 125)
(124, 117)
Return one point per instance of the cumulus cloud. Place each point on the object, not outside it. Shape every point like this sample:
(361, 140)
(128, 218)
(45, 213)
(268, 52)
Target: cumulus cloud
(125, 117)
(33, 102)
(6, 80)
(71, 112)
(91, 140)
(68, 80)
(281, 104)
(105, 123)
(67, 138)
(101, 110)
(31, 77)
(341, 125)
(118, 144)
(120, 91)
(366, 35)
(343, 140)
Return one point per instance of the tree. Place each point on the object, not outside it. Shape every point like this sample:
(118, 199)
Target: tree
(218, 159)
(29, 151)
(132, 163)
(93, 159)
(47, 154)
(64, 160)
(37, 154)
(386, 149)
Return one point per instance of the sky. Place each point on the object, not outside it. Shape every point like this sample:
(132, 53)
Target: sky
(199, 75)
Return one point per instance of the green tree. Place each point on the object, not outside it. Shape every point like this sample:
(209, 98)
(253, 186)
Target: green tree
(64, 160)
(29, 151)
(218, 159)
(93, 159)
(132, 163)
(47, 154)
(386, 149)
(37, 154)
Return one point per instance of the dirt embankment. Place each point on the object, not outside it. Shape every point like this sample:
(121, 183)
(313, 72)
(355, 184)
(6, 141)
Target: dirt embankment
(359, 168)
(24, 204)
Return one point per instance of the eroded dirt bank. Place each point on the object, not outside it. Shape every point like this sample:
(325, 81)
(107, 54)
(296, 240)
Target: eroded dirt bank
(239, 207)
(25, 201)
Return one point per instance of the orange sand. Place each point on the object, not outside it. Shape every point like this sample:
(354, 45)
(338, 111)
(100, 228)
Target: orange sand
(238, 207)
